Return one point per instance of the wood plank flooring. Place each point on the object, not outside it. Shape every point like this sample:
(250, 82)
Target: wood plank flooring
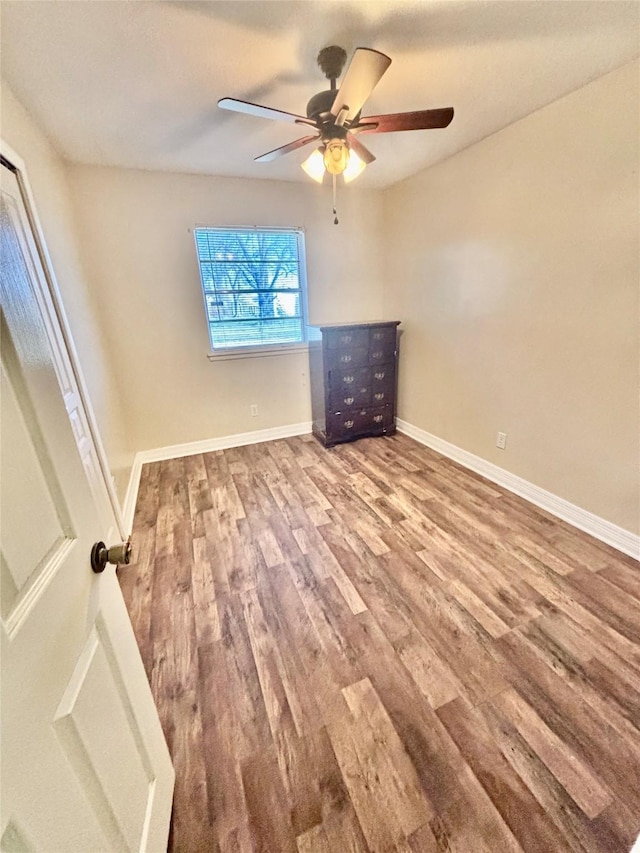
(370, 648)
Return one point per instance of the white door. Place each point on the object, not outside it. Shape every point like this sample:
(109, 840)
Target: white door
(84, 764)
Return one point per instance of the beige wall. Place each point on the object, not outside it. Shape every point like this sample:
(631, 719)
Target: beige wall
(514, 267)
(140, 256)
(47, 178)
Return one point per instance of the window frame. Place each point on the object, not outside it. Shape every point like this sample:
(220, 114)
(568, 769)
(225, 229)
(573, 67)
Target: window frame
(258, 349)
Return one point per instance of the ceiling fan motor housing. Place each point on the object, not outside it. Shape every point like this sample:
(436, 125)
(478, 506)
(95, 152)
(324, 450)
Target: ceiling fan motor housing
(319, 106)
(319, 109)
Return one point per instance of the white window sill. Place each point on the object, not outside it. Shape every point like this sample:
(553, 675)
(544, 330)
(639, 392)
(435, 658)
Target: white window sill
(257, 352)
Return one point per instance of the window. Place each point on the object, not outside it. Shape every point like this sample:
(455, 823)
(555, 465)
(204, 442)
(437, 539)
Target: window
(254, 286)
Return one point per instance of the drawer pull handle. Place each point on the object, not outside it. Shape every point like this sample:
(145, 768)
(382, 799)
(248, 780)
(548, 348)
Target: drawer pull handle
(378, 396)
(349, 400)
(345, 359)
(377, 354)
(380, 374)
(377, 418)
(377, 336)
(346, 339)
(348, 424)
(348, 379)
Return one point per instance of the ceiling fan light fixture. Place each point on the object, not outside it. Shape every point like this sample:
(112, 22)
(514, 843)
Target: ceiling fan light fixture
(314, 165)
(355, 167)
(334, 116)
(336, 156)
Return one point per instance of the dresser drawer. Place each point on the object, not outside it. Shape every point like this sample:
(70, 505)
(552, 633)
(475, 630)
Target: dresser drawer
(366, 421)
(383, 377)
(382, 396)
(381, 353)
(341, 400)
(347, 338)
(383, 336)
(380, 418)
(345, 424)
(348, 379)
(340, 358)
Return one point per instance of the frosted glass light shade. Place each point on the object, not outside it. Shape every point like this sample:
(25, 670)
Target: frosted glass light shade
(314, 165)
(355, 167)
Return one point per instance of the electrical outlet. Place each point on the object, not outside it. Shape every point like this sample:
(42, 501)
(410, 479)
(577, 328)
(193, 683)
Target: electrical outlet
(253, 410)
(501, 440)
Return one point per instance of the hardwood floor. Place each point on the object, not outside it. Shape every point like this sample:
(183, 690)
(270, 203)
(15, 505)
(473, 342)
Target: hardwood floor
(372, 649)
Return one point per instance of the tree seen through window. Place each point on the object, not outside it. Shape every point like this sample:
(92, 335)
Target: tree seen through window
(253, 285)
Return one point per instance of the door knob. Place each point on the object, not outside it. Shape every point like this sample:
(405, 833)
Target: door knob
(117, 555)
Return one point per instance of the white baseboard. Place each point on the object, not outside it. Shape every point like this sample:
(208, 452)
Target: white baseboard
(131, 496)
(605, 531)
(176, 451)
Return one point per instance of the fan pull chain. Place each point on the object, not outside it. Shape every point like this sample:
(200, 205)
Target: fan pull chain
(335, 212)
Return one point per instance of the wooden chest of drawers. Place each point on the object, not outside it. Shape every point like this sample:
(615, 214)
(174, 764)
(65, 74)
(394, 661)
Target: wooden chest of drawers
(353, 380)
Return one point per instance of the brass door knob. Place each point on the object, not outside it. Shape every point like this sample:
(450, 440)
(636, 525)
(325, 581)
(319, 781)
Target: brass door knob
(117, 555)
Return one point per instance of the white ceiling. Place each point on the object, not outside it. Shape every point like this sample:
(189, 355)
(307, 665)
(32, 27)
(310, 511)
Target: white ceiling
(135, 84)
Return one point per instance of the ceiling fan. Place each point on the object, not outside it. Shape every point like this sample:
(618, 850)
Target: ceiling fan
(335, 117)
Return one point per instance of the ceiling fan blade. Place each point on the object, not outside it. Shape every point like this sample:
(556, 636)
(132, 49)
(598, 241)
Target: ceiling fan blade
(261, 112)
(420, 120)
(364, 72)
(363, 153)
(285, 149)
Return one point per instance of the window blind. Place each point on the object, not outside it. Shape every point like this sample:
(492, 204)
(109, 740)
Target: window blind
(253, 286)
